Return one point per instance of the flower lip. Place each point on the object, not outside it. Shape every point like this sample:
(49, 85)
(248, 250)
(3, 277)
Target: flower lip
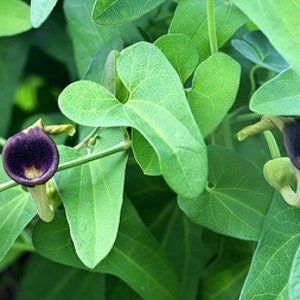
(30, 157)
(291, 136)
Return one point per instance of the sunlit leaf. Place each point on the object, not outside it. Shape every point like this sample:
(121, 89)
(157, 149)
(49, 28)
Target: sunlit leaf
(111, 12)
(214, 88)
(40, 10)
(278, 96)
(157, 108)
(14, 17)
(92, 195)
(181, 52)
(190, 18)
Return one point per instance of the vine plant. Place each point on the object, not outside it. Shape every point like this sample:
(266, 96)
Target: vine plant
(180, 178)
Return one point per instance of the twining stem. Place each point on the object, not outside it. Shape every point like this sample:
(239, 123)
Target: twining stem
(272, 144)
(122, 146)
(212, 33)
(86, 139)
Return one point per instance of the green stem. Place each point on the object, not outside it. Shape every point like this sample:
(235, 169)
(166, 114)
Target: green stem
(212, 33)
(122, 146)
(86, 139)
(272, 144)
(23, 247)
(227, 133)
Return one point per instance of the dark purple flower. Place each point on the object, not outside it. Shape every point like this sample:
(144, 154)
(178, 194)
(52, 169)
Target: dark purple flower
(30, 157)
(291, 137)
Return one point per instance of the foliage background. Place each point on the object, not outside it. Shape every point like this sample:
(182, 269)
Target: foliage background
(129, 235)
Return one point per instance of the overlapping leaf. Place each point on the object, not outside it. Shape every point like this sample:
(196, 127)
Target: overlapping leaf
(275, 253)
(156, 107)
(136, 257)
(40, 10)
(14, 17)
(92, 195)
(215, 85)
(279, 21)
(111, 12)
(16, 211)
(236, 199)
(181, 52)
(278, 96)
(190, 18)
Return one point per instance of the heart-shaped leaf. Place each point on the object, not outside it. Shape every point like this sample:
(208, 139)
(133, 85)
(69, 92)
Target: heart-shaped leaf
(156, 107)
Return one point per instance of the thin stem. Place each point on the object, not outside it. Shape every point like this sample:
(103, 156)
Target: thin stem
(122, 146)
(86, 139)
(23, 247)
(227, 133)
(272, 144)
(212, 34)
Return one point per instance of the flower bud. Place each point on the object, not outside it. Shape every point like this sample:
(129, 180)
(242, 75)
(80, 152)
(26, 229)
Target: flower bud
(279, 172)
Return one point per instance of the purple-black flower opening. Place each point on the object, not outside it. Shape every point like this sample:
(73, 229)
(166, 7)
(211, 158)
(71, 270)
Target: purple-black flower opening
(291, 137)
(30, 157)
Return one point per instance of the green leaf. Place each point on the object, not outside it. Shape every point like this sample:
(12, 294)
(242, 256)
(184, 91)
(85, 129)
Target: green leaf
(294, 282)
(181, 52)
(278, 96)
(14, 17)
(145, 154)
(16, 211)
(157, 108)
(215, 85)
(190, 18)
(272, 261)
(236, 199)
(92, 195)
(13, 55)
(40, 10)
(44, 279)
(112, 12)
(136, 257)
(279, 21)
(87, 36)
(256, 47)
(96, 67)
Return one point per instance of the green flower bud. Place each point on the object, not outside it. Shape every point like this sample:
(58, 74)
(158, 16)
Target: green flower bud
(279, 172)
